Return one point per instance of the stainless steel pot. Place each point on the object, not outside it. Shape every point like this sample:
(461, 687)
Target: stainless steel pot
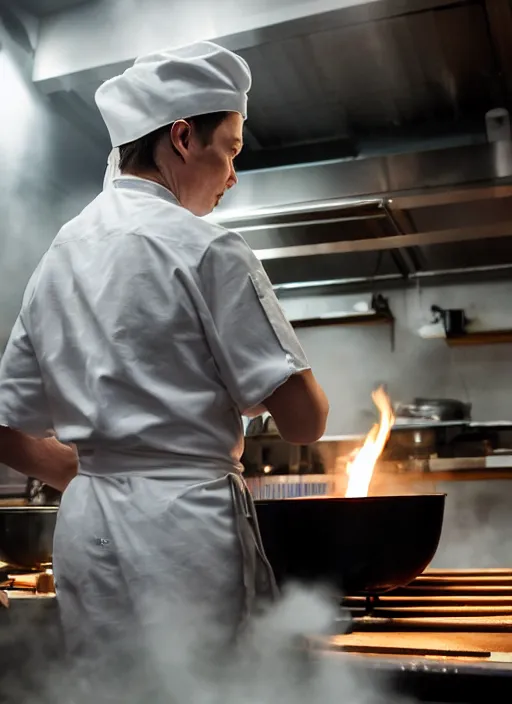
(434, 410)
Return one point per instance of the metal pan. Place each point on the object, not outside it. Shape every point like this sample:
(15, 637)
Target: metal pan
(361, 546)
(26, 535)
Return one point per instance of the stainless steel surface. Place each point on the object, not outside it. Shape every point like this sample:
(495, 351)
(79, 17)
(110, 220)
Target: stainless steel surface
(306, 212)
(42, 8)
(365, 72)
(271, 208)
(326, 286)
(390, 176)
(434, 410)
(495, 268)
(377, 83)
(422, 239)
(453, 196)
(260, 23)
(467, 463)
(310, 223)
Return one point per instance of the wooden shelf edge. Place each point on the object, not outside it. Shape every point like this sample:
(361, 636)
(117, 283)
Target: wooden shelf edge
(491, 337)
(376, 319)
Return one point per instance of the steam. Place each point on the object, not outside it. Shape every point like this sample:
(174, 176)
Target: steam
(271, 664)
(476, 527)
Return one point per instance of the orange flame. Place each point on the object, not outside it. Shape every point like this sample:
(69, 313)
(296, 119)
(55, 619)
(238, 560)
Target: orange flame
(360, 469)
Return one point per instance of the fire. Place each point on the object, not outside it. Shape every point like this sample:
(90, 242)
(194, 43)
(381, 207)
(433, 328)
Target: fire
(360, 469)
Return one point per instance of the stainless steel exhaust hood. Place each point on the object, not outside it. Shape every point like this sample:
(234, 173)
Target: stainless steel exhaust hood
(391, 217)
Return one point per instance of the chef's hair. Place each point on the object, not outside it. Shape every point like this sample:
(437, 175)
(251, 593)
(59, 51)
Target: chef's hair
(140, 154)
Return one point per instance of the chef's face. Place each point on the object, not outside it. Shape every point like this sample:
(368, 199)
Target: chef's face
(208, 169)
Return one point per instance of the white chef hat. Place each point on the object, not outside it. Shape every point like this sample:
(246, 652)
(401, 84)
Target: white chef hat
(170, 85)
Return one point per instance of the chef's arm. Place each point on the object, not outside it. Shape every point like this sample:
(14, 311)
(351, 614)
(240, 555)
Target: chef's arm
(45, 459)
(299, 408)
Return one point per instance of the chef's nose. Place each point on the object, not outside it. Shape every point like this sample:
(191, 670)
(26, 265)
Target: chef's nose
(233, 178)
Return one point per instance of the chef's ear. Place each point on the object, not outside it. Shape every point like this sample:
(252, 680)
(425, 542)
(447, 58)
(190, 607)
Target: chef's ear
(180, 138)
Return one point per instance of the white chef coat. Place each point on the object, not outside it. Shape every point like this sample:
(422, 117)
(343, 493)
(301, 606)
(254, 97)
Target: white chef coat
(144, 334)
(146, 327)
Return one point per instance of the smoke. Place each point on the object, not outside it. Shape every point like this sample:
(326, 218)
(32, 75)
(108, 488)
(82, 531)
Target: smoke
(476, 527)
(272, 663)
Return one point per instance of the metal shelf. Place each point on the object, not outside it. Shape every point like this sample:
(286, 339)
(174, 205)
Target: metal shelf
(369, 318)
(489, 337)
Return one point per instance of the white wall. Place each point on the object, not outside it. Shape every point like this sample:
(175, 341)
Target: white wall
(351, 360)
(477, 528)
(48, 172)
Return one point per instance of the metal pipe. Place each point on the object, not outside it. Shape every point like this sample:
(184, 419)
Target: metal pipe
(227, 217)
(304, 223)
(451, 196)
(296, 285)
(421, 239)
(326, 283)
(467, 270)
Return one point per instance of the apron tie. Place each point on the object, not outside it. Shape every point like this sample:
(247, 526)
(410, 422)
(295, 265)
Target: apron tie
(258, 576)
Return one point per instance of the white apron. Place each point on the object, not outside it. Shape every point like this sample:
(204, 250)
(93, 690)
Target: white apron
(144, 552)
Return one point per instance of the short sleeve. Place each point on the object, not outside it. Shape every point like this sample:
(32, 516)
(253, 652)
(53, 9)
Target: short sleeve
(23, 403)
(253, 344)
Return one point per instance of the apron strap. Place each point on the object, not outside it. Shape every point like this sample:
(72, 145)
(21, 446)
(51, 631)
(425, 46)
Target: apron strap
(258, 576)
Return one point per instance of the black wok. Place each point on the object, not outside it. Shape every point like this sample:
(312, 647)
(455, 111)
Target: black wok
(362, 546)
(26, 535)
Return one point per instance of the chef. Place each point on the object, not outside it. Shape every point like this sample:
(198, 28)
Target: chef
(145, 333)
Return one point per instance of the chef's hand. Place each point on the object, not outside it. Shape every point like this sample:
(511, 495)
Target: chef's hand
(46, 459)
(255, 412)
